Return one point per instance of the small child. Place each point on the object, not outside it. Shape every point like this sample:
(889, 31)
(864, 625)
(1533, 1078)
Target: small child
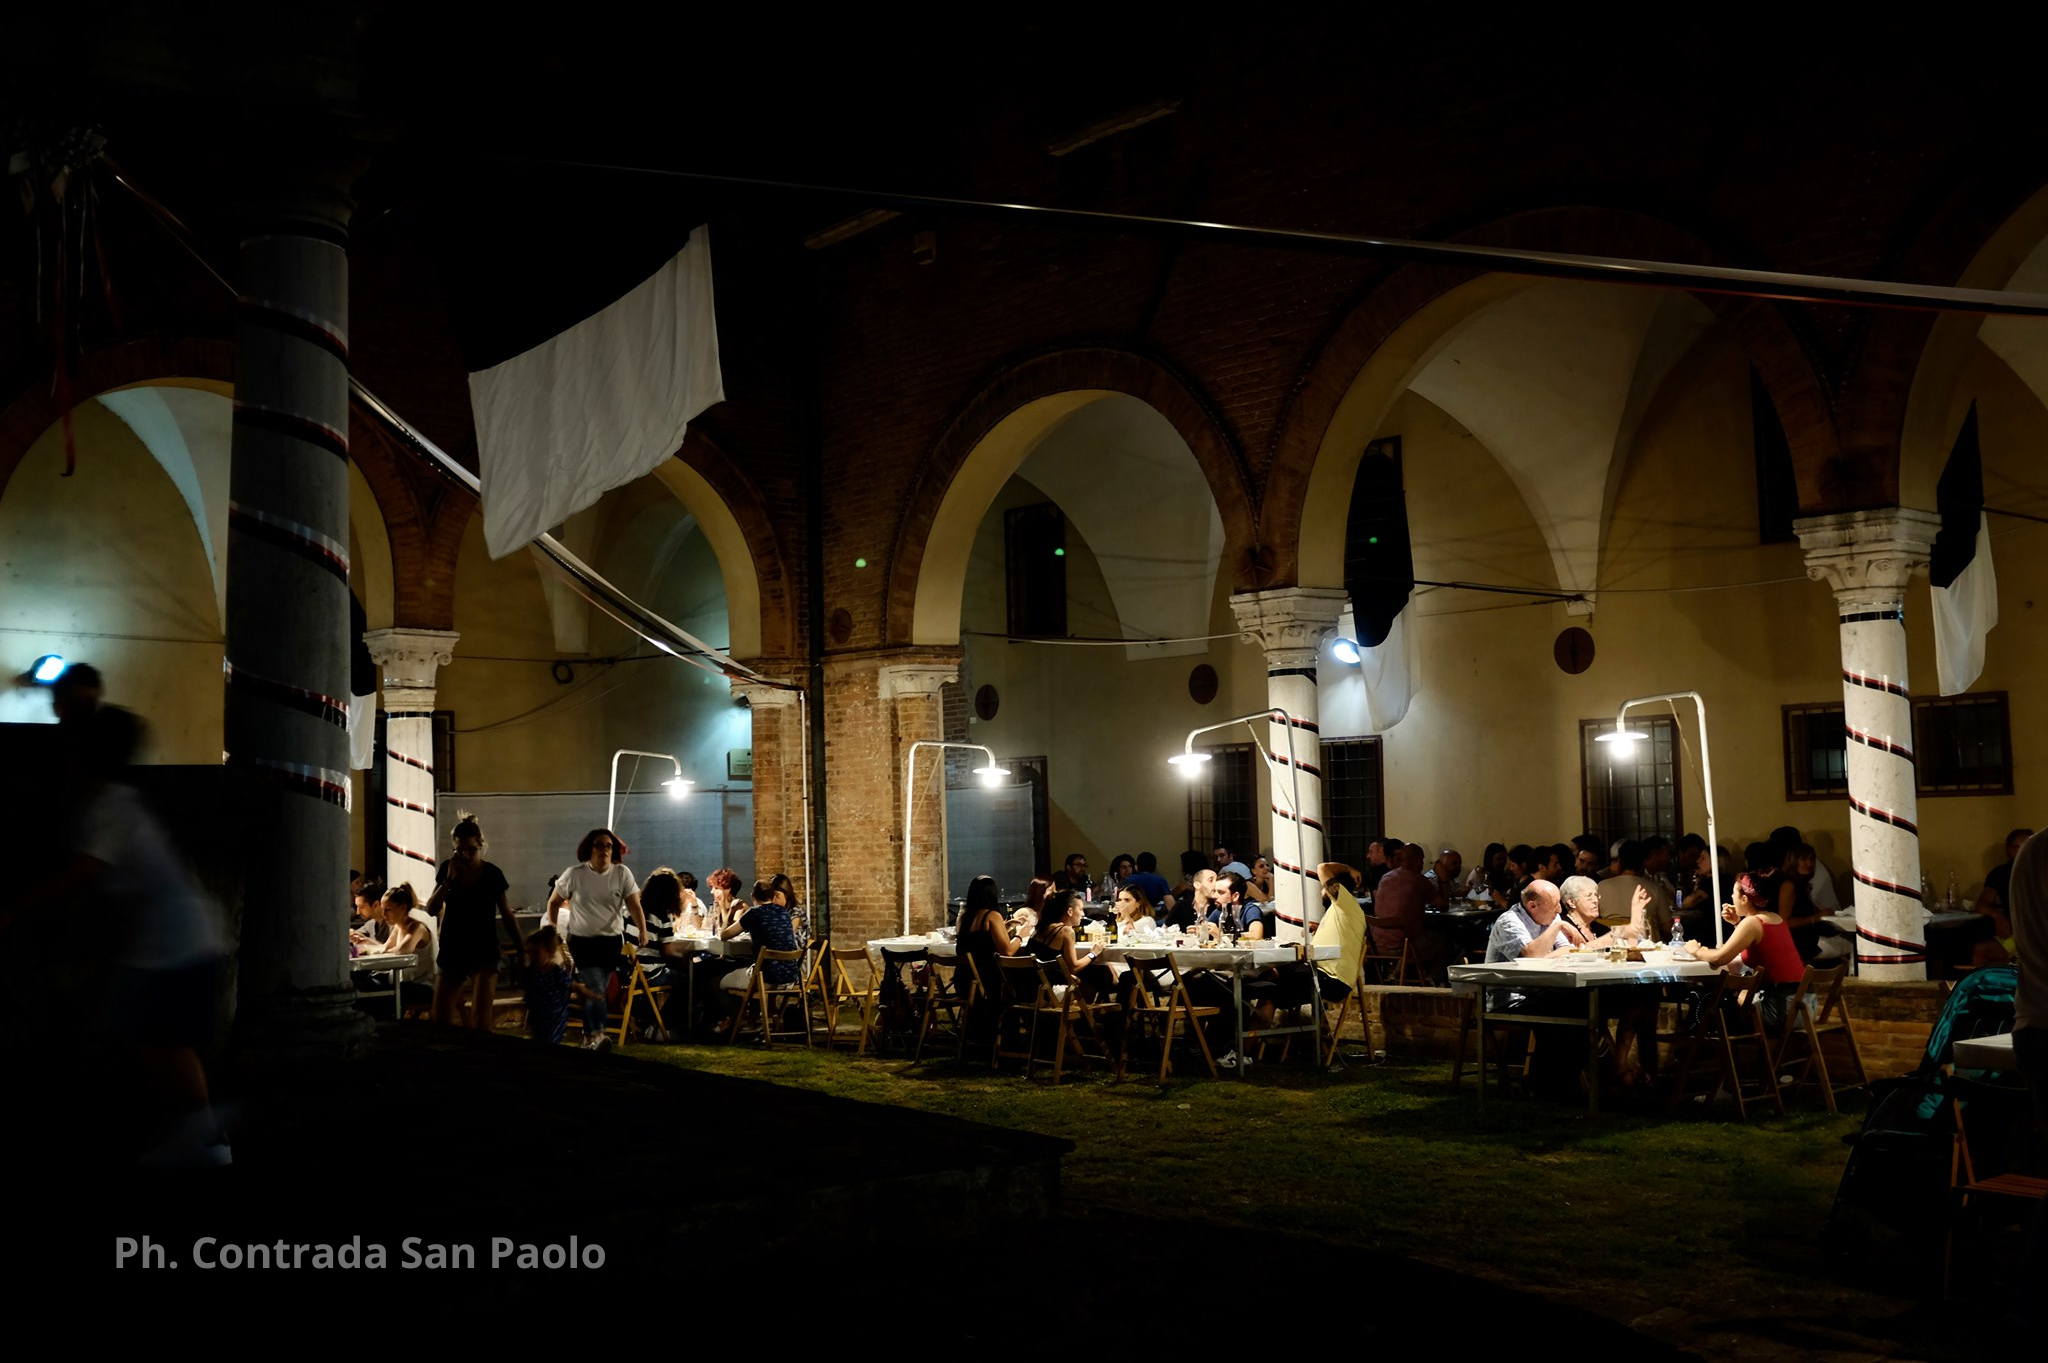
(550, 983)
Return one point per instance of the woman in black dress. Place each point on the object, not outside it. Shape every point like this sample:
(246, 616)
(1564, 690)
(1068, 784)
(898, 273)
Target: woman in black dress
(466, 891)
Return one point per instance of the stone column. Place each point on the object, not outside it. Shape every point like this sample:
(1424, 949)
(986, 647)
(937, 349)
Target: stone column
(1867, 557)
(1292, 624)
(781, 762)
(410, 658)
(287, 663)
(876, 706)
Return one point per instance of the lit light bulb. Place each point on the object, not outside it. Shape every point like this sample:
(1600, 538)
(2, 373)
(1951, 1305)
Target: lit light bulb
(45, 670)
(1346, 651)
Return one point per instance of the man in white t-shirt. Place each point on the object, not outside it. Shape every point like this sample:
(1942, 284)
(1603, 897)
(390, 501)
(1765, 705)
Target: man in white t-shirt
(599, 892)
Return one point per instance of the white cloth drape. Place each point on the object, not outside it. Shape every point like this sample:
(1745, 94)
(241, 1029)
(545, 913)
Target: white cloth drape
(1964, 612)
(599, 405)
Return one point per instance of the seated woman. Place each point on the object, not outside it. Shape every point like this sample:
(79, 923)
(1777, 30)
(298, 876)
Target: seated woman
(981, 937)
(1634, 1005)
(661, 899)
(768, 923)
(1763, 941)
(1025, 921)
(1054, 941)
(1133, 912)
(409, 932)
(1258, 886)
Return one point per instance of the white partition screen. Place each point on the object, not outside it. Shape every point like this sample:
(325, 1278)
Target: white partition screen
(988, 832)
(532, 837)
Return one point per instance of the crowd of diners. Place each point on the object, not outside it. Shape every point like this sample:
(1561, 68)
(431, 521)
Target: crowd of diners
(571, 957)
(1529, 899)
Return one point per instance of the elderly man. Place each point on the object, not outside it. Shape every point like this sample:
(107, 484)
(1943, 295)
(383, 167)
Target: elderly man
(1531, 930)
(1443, 878)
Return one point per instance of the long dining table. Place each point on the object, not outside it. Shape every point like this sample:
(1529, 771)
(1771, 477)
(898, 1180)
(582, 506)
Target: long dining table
(1234, 961)
(1590, 971)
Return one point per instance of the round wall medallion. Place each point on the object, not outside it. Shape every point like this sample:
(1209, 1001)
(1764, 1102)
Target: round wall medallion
(1573, 650)
(1202, 684)
(986, 702)
(841, 625)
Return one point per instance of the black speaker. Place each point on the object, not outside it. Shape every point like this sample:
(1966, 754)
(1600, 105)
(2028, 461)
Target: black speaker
(1379, 563)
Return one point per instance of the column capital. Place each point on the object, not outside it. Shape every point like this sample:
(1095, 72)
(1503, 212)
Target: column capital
(760, 695)
(1868, 557)
(410, 657)
(924, 678)
(1290, 623)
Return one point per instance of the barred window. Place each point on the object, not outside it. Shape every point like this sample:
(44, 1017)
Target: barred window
(1816, 753)
(1223, 800)
(1962, 745)
(1631, 789)
(1354, 798)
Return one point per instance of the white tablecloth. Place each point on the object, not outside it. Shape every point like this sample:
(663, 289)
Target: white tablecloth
(1241, 957)
(1576, 971)
(1985, 1053)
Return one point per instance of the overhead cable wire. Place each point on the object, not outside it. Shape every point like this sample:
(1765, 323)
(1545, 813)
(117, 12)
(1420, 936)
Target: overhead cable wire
(1721, 279)
(664, 634)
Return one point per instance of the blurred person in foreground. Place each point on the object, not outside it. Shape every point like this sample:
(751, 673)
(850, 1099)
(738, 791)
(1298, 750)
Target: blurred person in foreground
(170, 946)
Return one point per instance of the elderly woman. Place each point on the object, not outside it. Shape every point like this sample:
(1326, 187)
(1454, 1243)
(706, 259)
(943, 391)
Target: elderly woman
(1635, 1006)
(598, 891)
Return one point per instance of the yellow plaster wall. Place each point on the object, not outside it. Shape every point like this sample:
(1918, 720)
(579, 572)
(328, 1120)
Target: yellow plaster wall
(106, 567)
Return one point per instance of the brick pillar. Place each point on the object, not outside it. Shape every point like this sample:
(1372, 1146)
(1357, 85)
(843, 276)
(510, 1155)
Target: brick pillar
(1292, 624)
(780, 763)
(1867, 557)
(288, 618)
(876, 706)
(410, 659)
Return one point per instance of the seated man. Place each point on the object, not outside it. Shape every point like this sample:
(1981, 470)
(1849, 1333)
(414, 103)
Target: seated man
(1618, 896)
(1074, 876)
(1533, 929)
(1192, 905)
(1443, 878)
(1228, 904)
(1149, 880)
(1398, 915)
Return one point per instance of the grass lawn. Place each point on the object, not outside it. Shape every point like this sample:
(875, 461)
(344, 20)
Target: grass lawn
(1701, 1232)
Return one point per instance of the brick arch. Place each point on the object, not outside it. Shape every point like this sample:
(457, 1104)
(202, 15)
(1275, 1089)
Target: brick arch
(1906, 392)
(993, 432)
(773, 591)
(150, 359)
(1393, 332)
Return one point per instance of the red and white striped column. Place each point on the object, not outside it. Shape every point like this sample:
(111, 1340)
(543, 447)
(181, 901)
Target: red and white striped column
(410, 659)
(1868, 557)
(1291, 624)
(287, 655)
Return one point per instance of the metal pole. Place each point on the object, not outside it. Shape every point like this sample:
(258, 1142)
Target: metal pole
(612, 800)
(1706, 780)
(909, 784)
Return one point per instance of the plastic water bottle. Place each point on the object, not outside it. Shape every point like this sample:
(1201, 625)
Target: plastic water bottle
(1677, 935)
(1953, 901)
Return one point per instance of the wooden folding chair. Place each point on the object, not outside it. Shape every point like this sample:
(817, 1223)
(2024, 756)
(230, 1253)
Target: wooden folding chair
(1066, 991)
(772, 999)
(1729, 1015)
(636, 991)
(1818, 1010)
(1145, 1007)
(1026, 999)
(1356, 998)
(1965, 1178)
(942, 994)
(1503, 1029)
(1393, 967)
(976, 995)
(847, 993)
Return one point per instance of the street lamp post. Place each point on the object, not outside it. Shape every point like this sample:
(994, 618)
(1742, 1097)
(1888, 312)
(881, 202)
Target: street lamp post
(988, 771)
(1626, 738)
(1189, 761)
(677, 786)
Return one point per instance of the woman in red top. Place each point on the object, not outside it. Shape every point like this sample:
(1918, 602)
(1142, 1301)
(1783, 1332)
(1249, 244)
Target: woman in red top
(1763, 940)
